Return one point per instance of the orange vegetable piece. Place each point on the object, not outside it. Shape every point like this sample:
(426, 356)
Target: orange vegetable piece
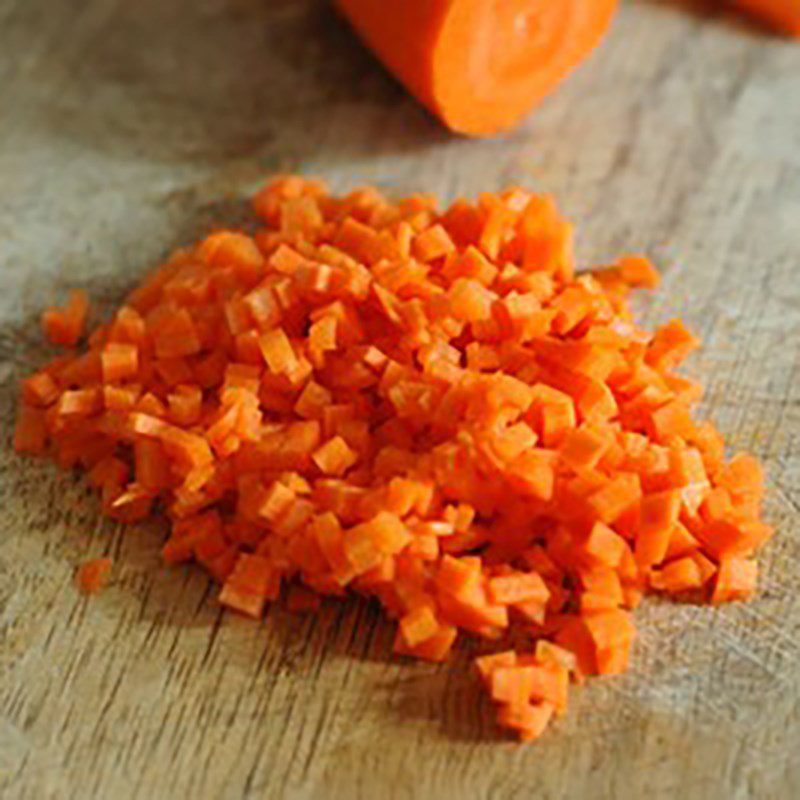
(487, 664)
(92, 575)
(418, 625)
(678, 576)
(479, 66)
(278, 352)
(671, 344)
(433, 243)
(335, 457)
(64, 326)
(250, 585)
(604, 546)
(615, 497)
(517, 588)
(175, 334)
(638, 270)
(582, 448)
(736, 580)
(611, 633)
(40, 389)
(527, 720)
(435, 648)
(120, 361)
(30, 431)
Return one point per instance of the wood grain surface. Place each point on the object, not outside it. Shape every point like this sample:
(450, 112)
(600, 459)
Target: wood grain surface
(126, 129)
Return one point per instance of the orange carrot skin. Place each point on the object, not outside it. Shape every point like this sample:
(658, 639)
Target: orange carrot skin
(438, 50)
(416, 28)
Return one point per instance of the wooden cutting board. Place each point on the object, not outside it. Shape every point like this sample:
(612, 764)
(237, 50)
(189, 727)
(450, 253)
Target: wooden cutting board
(127, 129)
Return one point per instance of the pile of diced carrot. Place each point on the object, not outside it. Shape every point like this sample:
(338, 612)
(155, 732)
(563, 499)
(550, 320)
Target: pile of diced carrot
(431, 408)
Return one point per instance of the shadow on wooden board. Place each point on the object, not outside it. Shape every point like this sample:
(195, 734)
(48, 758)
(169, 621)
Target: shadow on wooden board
(209, 82)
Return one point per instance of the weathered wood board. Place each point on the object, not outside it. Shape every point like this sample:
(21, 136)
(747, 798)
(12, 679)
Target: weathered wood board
(125, 130)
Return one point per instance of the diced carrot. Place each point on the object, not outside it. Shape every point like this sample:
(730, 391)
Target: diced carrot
(263, 306)
(278, 351)
(433, 243)
(30, 431)
(638, 270)
(528, 720)
(428, 408)
(681, 542)
(120, 362)
(418, 625)
(513, 685)
(602, 590)
(469, 301)
(716, 505)
(487, 664)
(173, 371)
(677, 576)
(611, 633)
(275, 502)
(549, 653)
(386, 532)
(64, 326)
(550, 684)
(615, 497)
(185, 404)
(556, 421)
(741, 475)
(40, 390)
(131, 504)
(659, 515)
(736, 580)
(516, 588)
(534, 472)
(251, 584)
(335, 457)
(152, 467)
(108, 471)
(151, 405)
(671, 420)
(92, 575)
(175, 334)
(313, 401)
(458, 576)
(671, 344)
(707, 568)
(188, 450)
(572, 307)
(583, 448)
(435, 648)
(734, 536)
(604, 546)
